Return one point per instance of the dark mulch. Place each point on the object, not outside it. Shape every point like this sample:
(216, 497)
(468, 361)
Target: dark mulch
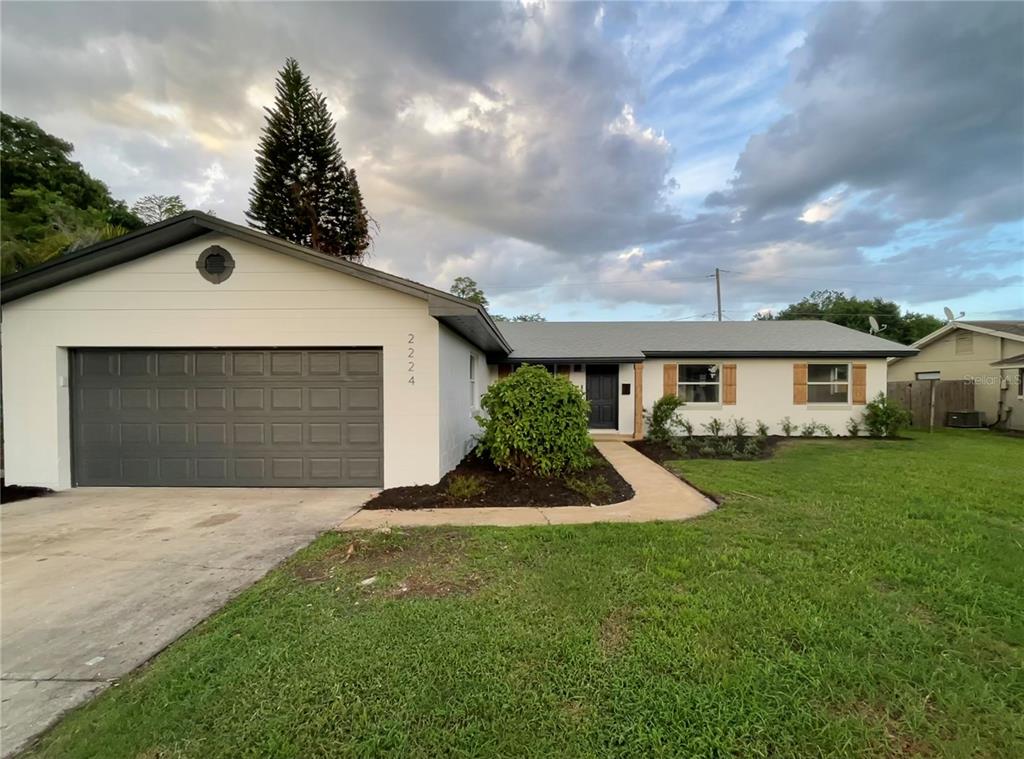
(661, 452)
(506, 489)
(11, 493)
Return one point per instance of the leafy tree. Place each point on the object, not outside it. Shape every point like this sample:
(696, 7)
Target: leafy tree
(154, 208)
(302, 190)
(49, 205)
(534, 317)
(466, 287)
(835, 306)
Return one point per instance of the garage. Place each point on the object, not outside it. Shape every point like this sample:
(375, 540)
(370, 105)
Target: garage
(227, 417)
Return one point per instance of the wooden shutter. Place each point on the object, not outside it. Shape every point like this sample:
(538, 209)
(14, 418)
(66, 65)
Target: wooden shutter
(504, 370)
(860, 384)
(671, 380)
(799, 384)
(729, 384)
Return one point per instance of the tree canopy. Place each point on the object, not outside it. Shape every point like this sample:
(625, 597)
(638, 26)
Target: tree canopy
(154, 208)
(302, 190)
(49, 205)
(837, 307)
(466, 287)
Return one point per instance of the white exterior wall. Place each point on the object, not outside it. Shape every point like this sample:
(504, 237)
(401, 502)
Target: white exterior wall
(458, 401)
(161, 301)
(764, 391)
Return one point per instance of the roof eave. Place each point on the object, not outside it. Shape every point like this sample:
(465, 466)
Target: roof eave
(781, 353)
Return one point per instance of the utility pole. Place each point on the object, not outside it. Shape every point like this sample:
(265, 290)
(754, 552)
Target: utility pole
(718, 292)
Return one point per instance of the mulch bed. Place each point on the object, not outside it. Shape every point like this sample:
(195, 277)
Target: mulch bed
(661, 452)
(504, 489)
(11, 493)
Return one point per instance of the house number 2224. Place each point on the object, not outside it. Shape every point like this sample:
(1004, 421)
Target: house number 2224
(412, 357)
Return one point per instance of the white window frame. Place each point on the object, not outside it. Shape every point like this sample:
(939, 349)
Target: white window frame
(473, 399)
(680, 384)
(848, 383)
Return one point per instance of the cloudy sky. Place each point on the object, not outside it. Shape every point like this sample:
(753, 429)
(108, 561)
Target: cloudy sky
(586, 161)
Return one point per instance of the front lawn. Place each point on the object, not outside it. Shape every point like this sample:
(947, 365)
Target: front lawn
(854, 599)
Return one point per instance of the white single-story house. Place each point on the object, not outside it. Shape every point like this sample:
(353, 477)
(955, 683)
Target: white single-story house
(988, 354)
(200, 352)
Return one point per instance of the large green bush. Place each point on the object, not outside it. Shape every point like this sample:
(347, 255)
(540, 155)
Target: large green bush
(536, 423)
(660, 421)
(885, 418)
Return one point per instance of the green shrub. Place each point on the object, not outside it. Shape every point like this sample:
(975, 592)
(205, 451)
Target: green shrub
(853, 427)
(594, 488)
(825, 430)
(808, 430)
(686, 426)
(739, 427)
(726, 448)
(659, 421)
(753, 446)
(885, 418)
(462, 487)
(762, 429)
(535, 422)
(714, 427)
(707, 450)
(788, 427)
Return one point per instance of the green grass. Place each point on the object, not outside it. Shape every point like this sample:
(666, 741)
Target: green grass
(849, 599)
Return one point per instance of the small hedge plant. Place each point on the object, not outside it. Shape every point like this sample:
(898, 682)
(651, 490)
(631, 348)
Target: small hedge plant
(535, 423)
(660, 421)
(885, 418)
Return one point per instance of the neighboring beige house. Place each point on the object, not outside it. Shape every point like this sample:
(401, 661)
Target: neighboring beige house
(199, 352)
(989, 354)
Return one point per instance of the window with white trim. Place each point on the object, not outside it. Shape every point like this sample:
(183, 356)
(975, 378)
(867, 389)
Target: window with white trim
(472, 381)
(700, 383)
(828, 383)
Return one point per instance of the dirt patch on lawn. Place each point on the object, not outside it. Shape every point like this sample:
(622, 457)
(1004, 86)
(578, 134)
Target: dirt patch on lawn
(901, 742)
(613, 633)
(395, 565)
(599, 485)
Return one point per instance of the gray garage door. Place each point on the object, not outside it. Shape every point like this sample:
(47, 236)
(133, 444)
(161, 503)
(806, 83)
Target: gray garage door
(227, 417)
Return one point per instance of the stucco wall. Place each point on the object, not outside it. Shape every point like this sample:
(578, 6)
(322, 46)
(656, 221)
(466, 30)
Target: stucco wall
(764, 391)
(458, 403)
(975, 366)
(162, 301)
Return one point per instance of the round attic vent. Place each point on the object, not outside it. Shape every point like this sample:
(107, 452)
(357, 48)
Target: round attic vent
(215, 264)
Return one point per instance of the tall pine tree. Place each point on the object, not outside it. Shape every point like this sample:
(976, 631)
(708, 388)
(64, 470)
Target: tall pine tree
(302, 190)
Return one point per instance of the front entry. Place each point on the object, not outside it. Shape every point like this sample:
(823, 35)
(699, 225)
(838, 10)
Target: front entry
(602, 380)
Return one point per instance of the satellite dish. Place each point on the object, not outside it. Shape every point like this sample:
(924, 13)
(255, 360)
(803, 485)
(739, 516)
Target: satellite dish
(949, 313)
(875, 329)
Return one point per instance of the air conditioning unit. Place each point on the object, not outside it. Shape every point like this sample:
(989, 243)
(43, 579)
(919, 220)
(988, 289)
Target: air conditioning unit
(965, 419)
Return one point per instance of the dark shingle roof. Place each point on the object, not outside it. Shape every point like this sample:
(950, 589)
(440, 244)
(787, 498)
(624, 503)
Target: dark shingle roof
(635, 340)
(1010, 327)
(1011, 361)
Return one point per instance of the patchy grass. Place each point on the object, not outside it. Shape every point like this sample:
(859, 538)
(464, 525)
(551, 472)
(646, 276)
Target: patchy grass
(855, 600)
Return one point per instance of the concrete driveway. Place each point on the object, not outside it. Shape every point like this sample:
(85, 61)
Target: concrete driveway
(97, 580)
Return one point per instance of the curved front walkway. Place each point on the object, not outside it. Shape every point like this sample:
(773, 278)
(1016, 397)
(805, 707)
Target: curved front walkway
(660, 496)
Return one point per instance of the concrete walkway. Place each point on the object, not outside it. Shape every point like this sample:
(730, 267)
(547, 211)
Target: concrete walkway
(660, 496)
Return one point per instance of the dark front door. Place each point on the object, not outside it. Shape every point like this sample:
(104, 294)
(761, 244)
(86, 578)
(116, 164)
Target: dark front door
(604, 401)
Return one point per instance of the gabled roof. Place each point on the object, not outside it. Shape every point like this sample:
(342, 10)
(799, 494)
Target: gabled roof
(1011, 330)
(633, 341)
(465, 317)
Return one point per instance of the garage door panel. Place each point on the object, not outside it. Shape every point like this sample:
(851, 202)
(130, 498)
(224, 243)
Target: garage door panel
(228, 417)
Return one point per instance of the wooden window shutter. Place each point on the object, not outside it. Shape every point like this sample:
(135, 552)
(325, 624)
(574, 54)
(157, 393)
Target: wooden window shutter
(504, 370)
(860, 384)
(671, 379)
(799, 384)
(729, 384)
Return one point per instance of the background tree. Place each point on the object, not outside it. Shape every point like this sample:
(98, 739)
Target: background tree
(466, 287)
(835, 306)
(154, 208)
(49, 205)
(302, 190)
